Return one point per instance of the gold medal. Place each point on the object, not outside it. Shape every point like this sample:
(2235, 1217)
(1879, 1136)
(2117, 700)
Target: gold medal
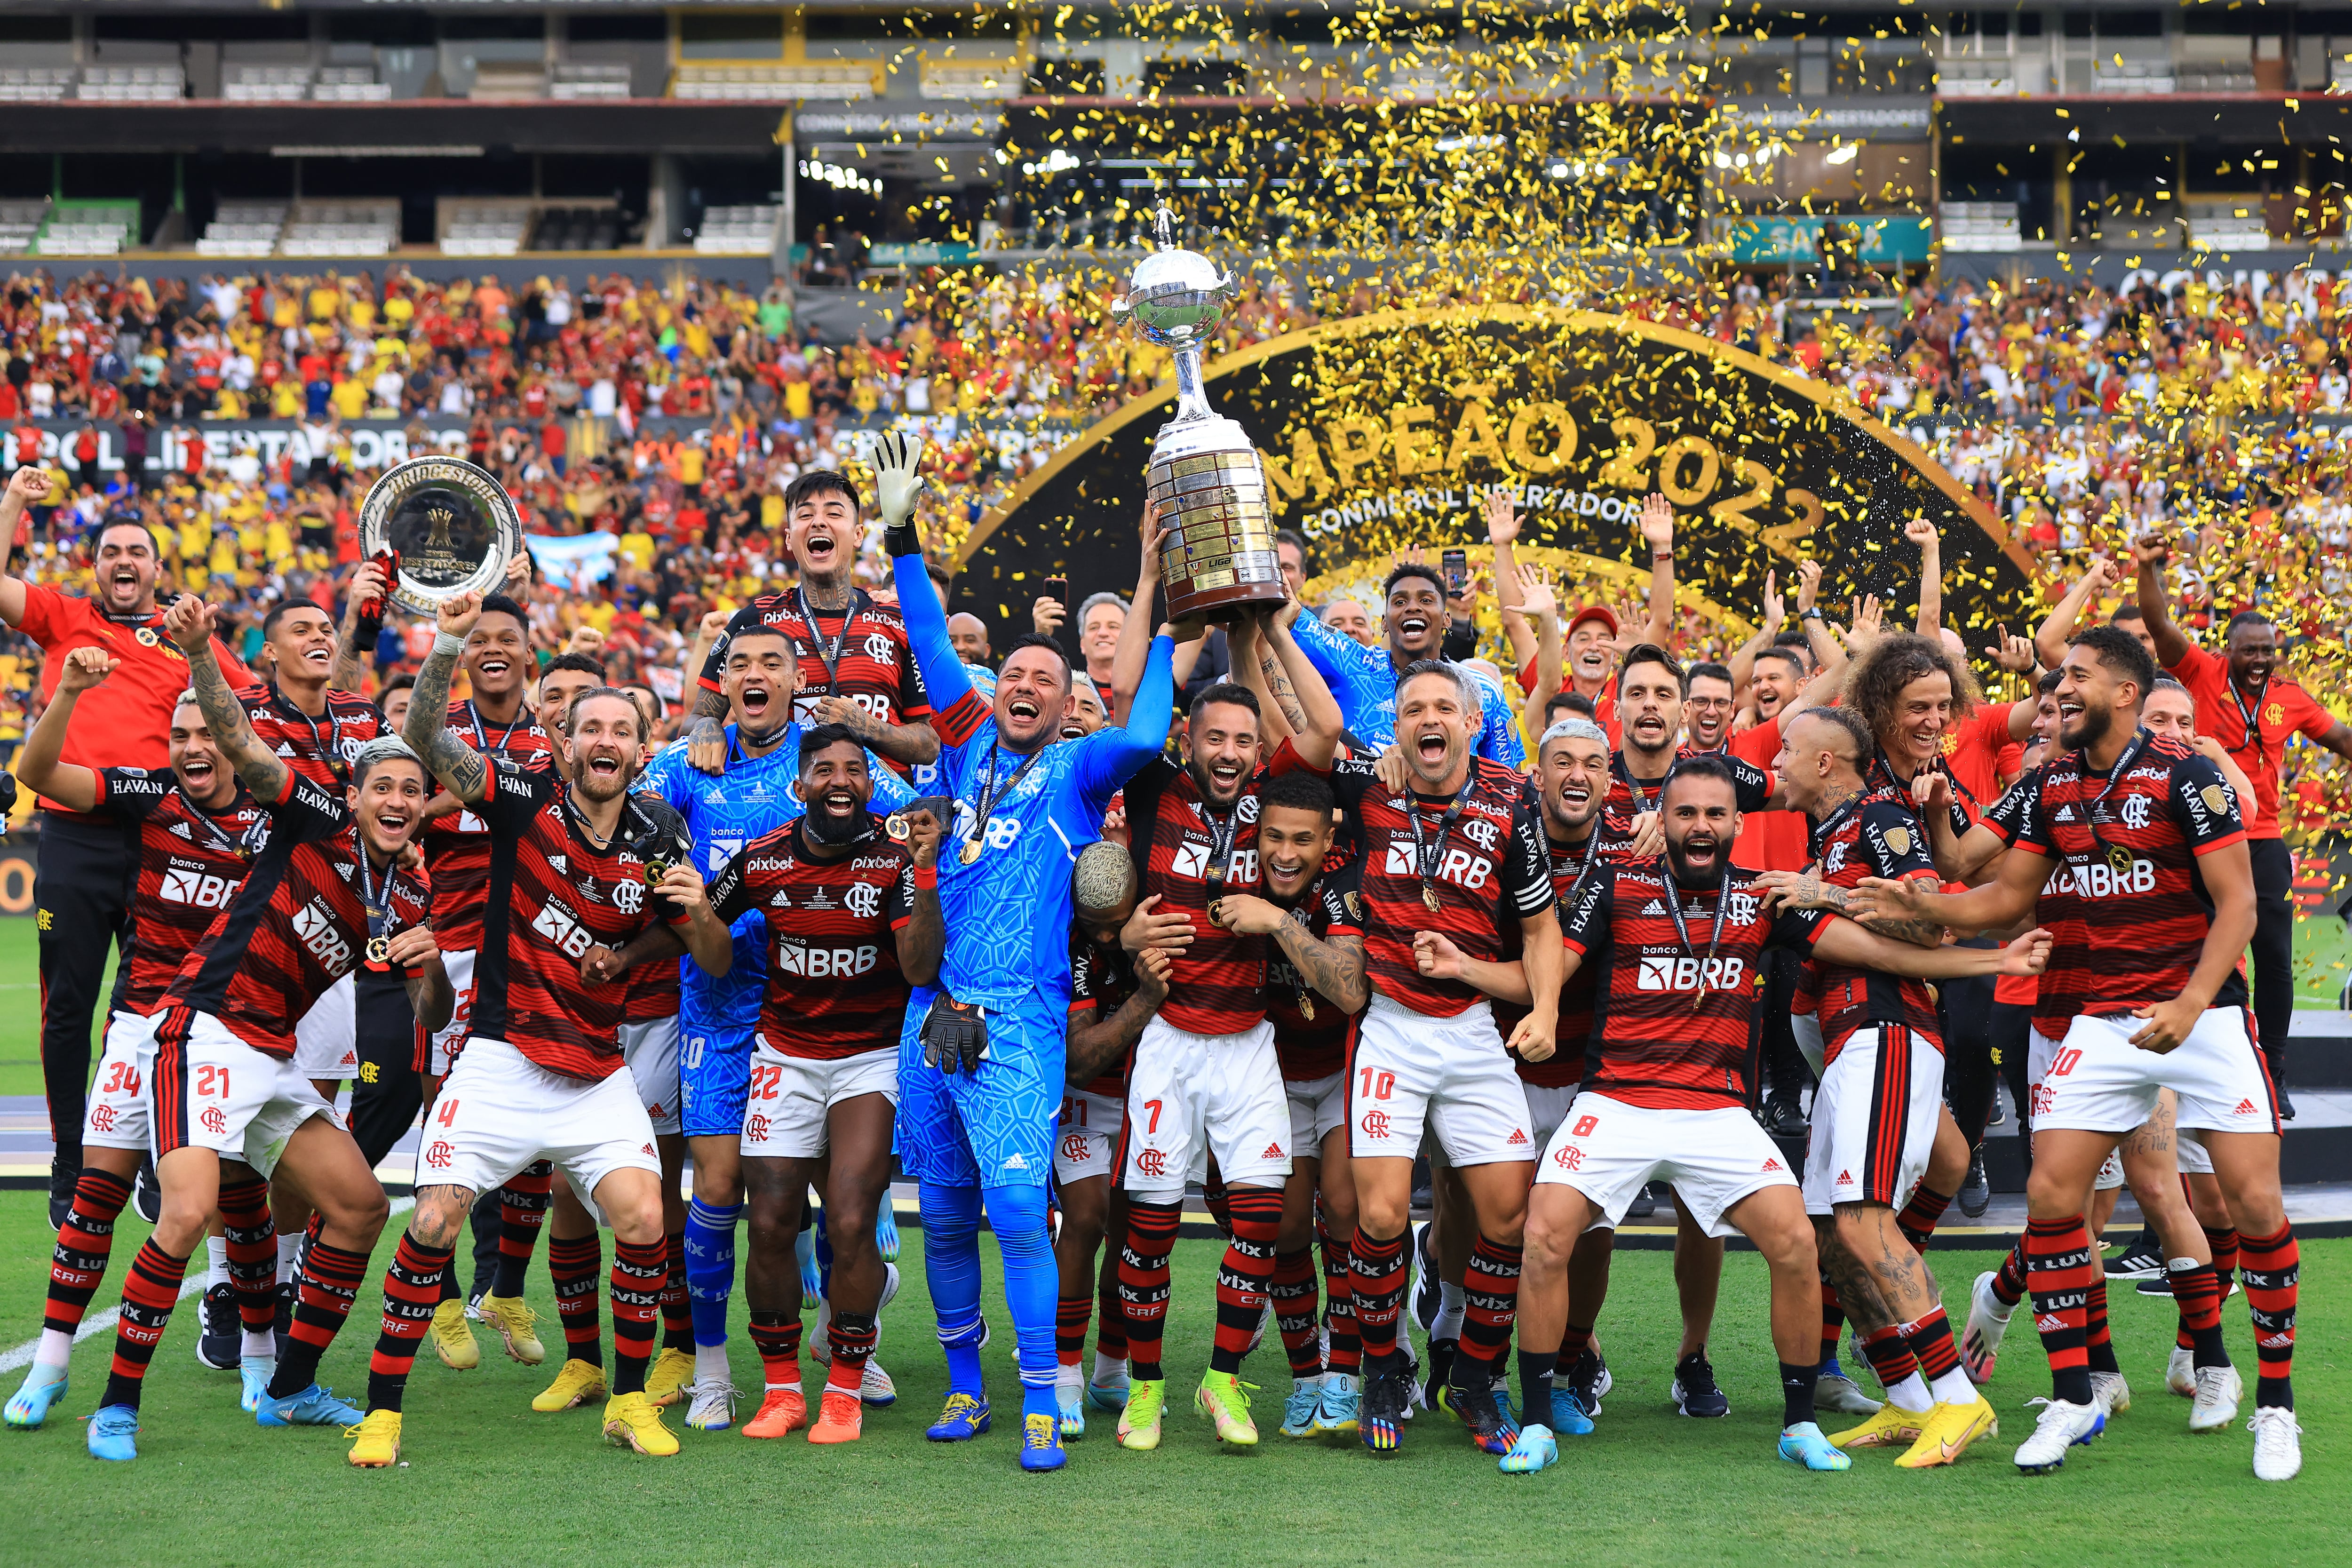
(1307, 1006)
(656, 870)
(379, 950)
(2119, 860)
(969, 852)
(1429, 898)
(895, 825)
(1217, 913)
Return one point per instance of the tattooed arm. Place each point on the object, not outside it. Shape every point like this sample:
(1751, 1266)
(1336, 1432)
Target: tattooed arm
(189, 624)
(1093, 1047)
(1806, 890)
(1305, 699)
(457, 765)
(1334, 968)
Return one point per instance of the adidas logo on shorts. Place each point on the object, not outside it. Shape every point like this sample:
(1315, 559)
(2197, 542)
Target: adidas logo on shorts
(1273, 1152)
(1519, 1135)
(1845, 1178)
(1771, 1165)
(2245, 1108)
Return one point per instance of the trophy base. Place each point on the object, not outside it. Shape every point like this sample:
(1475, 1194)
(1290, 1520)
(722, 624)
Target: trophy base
(1208, 480)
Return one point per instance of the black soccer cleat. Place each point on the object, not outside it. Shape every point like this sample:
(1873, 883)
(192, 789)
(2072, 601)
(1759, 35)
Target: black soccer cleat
(1380, 1420)
(1590, 1378)
(1492, 1430)
(1644, 1205)
(222, 1338)
(1695, 1390)
(1976, 1189)
(1784, 1115)
(1438, 1370)
(62, 1181)
(284, 1323)
(1428, 1290)
(147, 1193)
(2142, 1259)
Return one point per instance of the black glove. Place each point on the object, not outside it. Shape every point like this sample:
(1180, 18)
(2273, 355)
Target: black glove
(955, 1036)
(902, 540)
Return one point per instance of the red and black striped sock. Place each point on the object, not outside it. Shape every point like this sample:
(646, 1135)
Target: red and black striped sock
(522, 1213)
(676, 1307)
(1378, 1281)
(573, 1262)
(2098, 1345)
(1143, 1281)
(1929, 1336)
(1890, 1355)
(148, 1292)
(1490, 1285)
(1071, 1316)
(2196, 1291)
(252, 1243)
(1111, 1318)
(2059, 1269)
(1254, 1217)
(638, 1268)
(851, 1336)
(412, 1288)
(2272, 1267)
(85, 1242)
(1575, 1339)
(1293, 1291)
(777, 1337)
(1918, 1218)
(1833, 1321)
(329, 1285)
(2225, 1245)
(1347, 1350)
(2009, 1280)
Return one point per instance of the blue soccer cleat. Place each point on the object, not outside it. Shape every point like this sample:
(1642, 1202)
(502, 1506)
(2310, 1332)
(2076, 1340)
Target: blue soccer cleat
(311, 1407)
(111, 1433)
(1041, 1444)
(1533, 1449)
(886, 1230)
(811, 1279)
(30, 1405)
(964, 1417)
(1804, 1445)
(1568, 1416)
(254, 1372)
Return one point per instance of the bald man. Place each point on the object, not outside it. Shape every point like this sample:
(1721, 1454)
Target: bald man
(1349, 617)
(969, 634)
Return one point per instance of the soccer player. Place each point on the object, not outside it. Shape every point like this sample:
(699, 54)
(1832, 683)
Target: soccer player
(2150, 837)
(2255, 710)
(230, 1107)
(1311, 912)
(851, 920)
(1112, 996)
(196, 836)
(1450, 864)
(1677, 942)
(1204, 1076)
(1365, 679)
(853, 662)
(575, 864)
(978, 1102)
(1875, 1114)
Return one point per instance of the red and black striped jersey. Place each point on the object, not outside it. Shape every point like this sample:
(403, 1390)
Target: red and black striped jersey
(299, 924)
(1217, 985)
(2129, 840)
(1965, 808)
(1490, 872)
(553, 894)
(652, 992)
(457, 846)
(1670, 1023)
(2054, 993)
(1308, 1048)
(1875, 834)
(322, 748)
(834, 988)
(875, 668)
(1565, 1065)
(190, 864)
(1630, 797)
(1102, 978)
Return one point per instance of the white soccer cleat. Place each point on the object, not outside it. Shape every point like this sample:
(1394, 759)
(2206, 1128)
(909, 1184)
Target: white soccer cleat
(713, 1407)
(2181, 1373)
(1841, 1393)
(2278, 1442)
(2110, 1393)
(1987, 1322)
(2218, 1389)
(2058, 1427)
(876, 1388)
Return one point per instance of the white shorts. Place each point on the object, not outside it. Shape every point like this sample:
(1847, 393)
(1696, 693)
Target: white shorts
(120, 1115)
(2038, 1049)
(2097, 1080)
(1088, 1141)
(1318, 1106)
(443, 1044)
(1547, 1109)
(1192, 1095)
(1451, 1074)
(2189, 1150)
(1874, 1120)
(326, 1042)
(225, 1096)
(1811, 1042)
(498, 1110)
(1609, 1149)
(650, 1048)
(783, 1117)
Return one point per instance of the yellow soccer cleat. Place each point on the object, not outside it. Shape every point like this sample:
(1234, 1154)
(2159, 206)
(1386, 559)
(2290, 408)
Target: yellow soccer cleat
(453, 1337)
(1138, 1423)
(1948, 1431)
(376, 1440)
(632, 1421)
(1224, 1400)
(575, 1385)
(1892, 1427)
(517, 1327)
(667, 1379)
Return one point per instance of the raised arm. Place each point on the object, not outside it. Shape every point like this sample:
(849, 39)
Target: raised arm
(1540, 603)
(2050, 637)
(1920, 531)
(26, 486)
(1253, 667)
(1299, 687)
(922, 940)
(1110, 757)
(1502, 532)
(37, 768)
(457, 765)
(706, 734)
(355, 639)
(1742, 663)
(189, 624)
(1658, 530)
(1126, 659)
(2172, 645)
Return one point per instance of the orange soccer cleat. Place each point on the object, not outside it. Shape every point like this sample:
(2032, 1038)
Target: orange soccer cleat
(840, 1417)
(784, 1411)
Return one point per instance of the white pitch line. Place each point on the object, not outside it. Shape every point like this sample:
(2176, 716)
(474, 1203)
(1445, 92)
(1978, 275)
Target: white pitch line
(104, 1322)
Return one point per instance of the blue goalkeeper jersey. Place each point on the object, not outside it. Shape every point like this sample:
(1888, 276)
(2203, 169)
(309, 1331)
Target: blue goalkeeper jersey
(725, 811)
(1364, 681)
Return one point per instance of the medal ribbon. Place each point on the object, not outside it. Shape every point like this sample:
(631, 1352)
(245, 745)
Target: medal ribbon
(221, 840)
(373, 899)
(1427, 855)
(2111, 854)
(830, 657)
(990, 797)
(2251, 718)
(1682, 926)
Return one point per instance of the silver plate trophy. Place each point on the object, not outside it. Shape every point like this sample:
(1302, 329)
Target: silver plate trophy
(453, 524)
(1204, 473)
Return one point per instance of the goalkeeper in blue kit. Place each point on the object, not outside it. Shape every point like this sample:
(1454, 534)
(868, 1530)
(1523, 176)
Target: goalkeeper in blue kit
(980, 1054)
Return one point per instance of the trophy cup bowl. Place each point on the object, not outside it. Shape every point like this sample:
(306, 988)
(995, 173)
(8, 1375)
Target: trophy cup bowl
(452, 523)
(1219, 562)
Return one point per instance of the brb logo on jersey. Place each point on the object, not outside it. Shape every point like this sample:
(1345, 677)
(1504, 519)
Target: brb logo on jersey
(1681, 972)
(314, 928)
(2098, 879)
(1191, 860)
(560, 925)
(201, 888)
(1459, 867)
(826, 963)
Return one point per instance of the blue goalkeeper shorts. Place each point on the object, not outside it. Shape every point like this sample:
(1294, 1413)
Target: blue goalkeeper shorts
(997, 1127)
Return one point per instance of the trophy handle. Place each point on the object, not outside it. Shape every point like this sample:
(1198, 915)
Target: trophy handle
(1120, 307)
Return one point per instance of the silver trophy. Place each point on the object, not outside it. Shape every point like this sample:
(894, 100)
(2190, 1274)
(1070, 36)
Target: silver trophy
(1204, 474)
(452, 525)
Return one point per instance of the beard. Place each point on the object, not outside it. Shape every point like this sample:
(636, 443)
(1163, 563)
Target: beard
(2091, 726)
(835, 832)
(1684, 874)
